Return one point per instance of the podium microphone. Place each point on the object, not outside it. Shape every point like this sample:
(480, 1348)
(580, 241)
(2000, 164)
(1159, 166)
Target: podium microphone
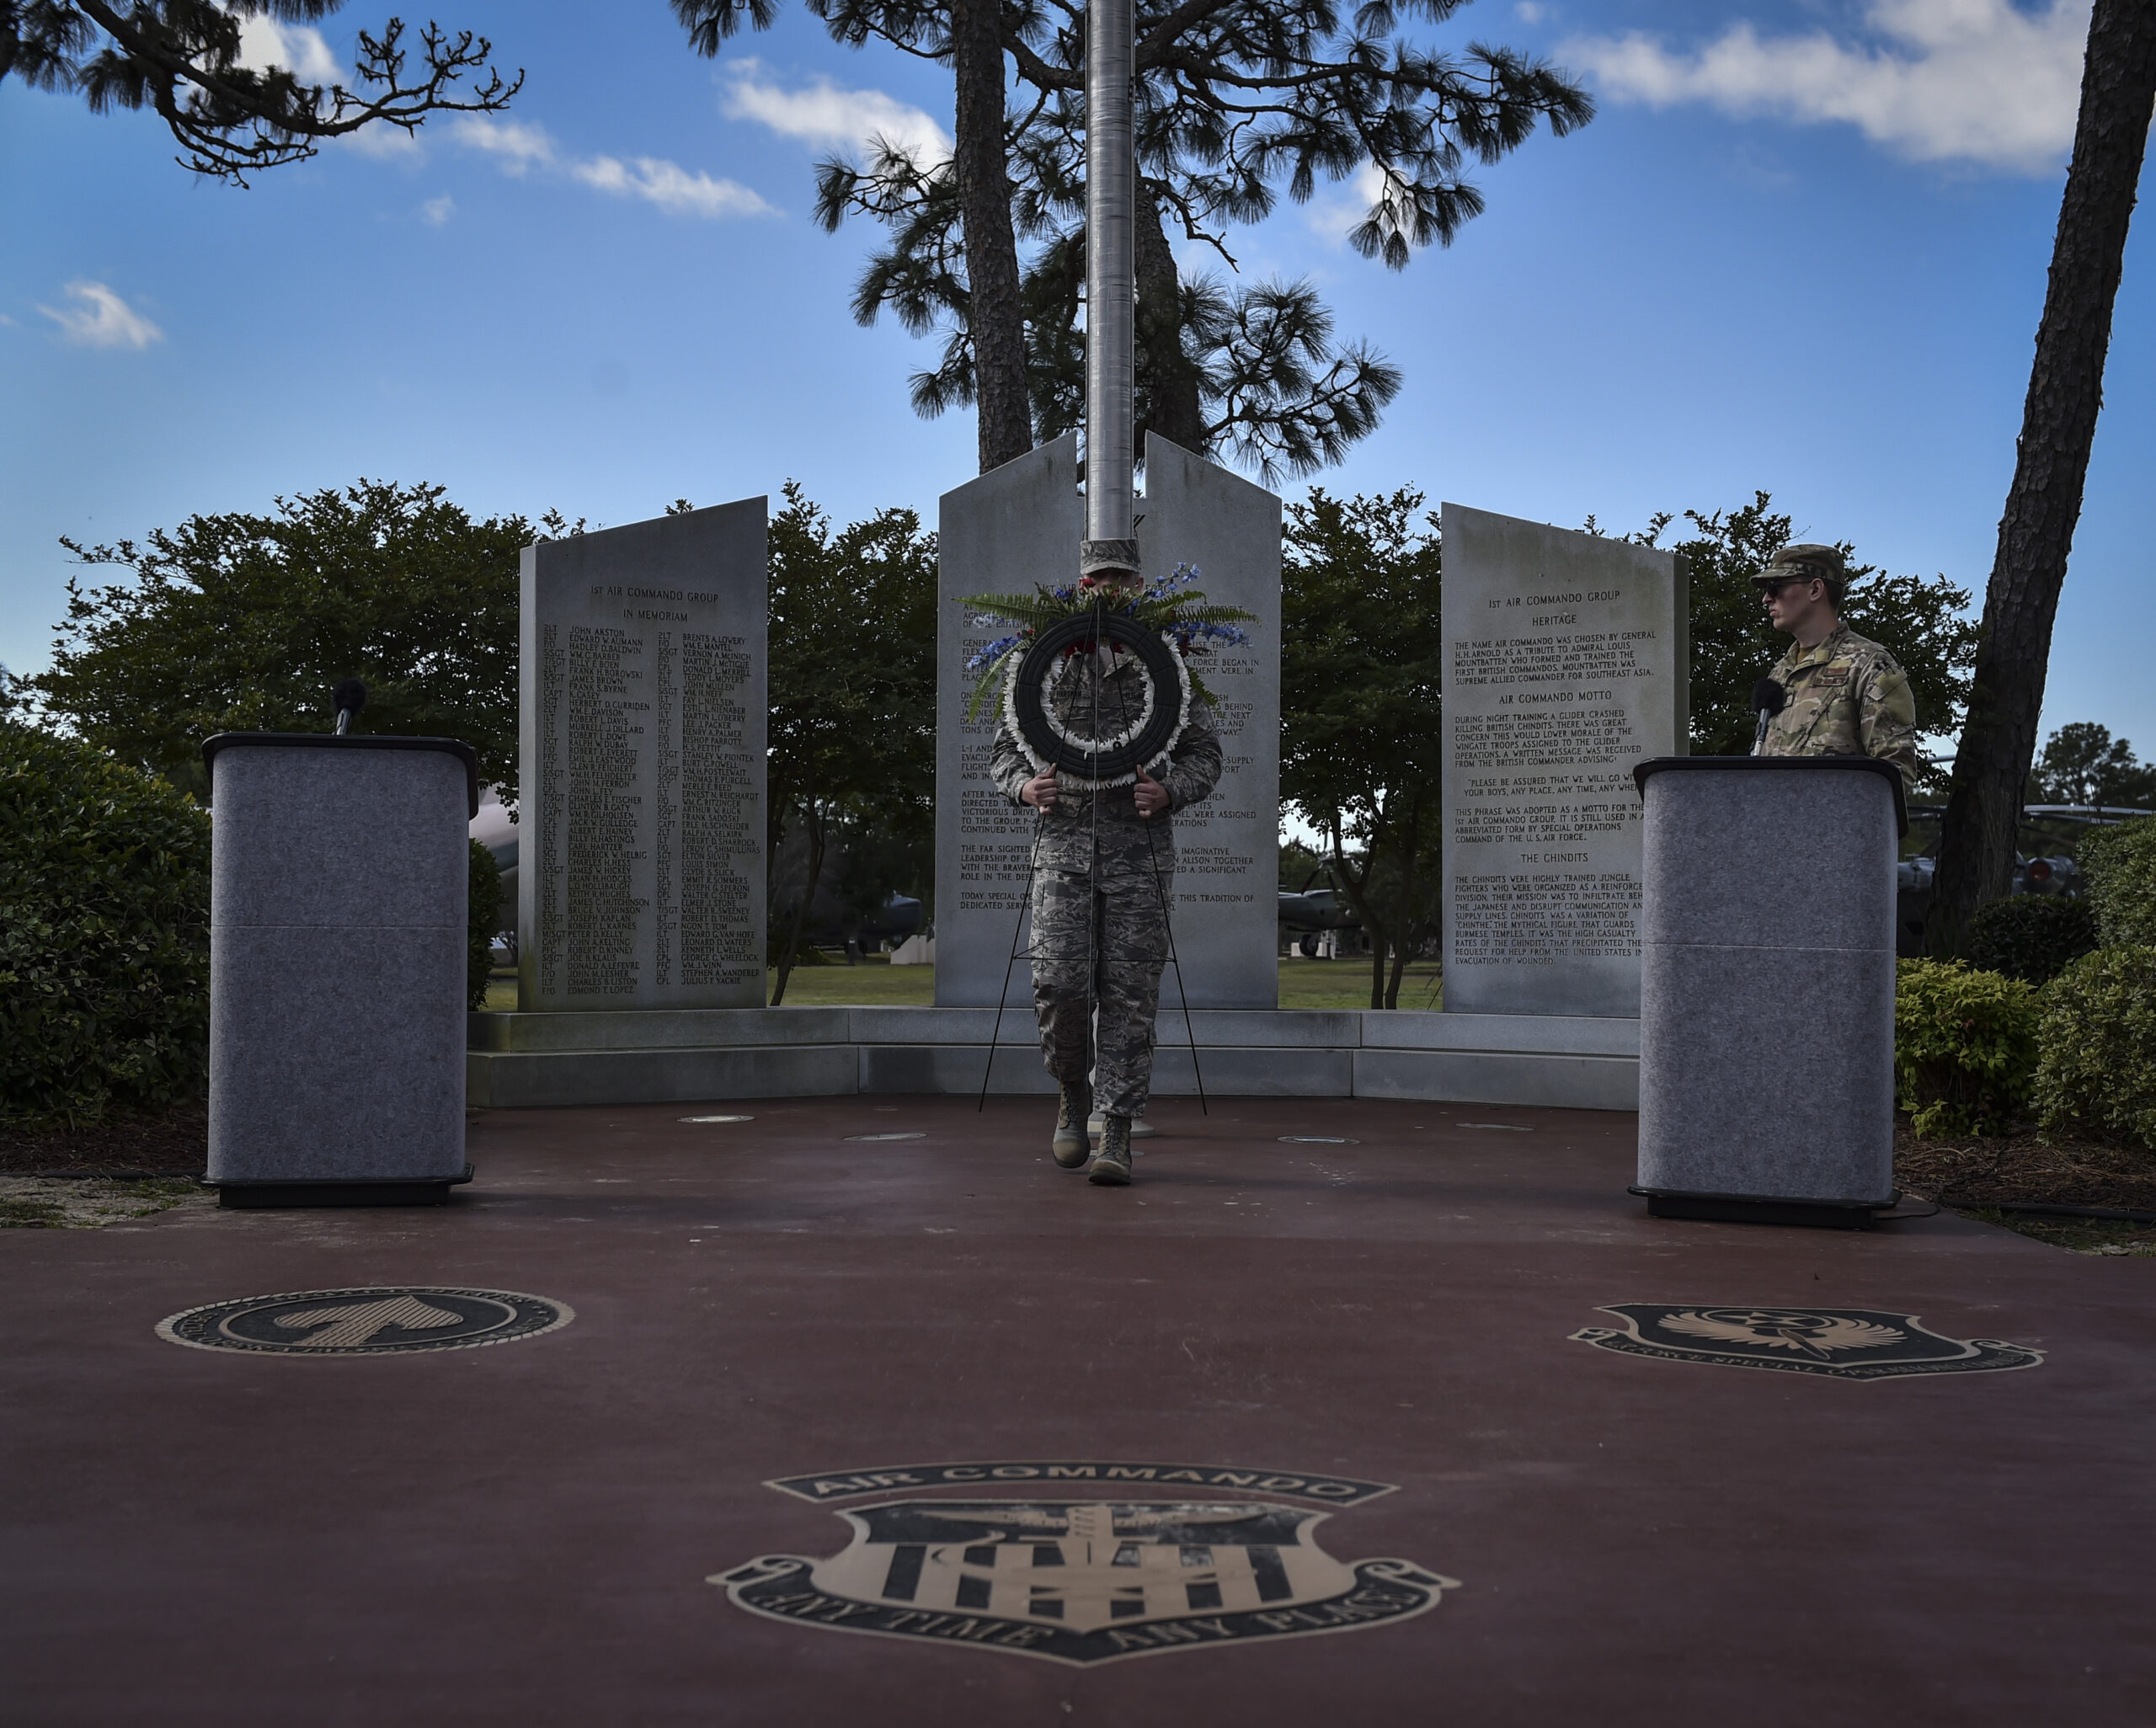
(1769, 698)
(347, 695)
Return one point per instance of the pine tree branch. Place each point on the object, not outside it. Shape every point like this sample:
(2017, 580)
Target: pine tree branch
(182, 61)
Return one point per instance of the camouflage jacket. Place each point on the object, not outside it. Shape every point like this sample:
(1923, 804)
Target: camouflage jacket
(1126, 843)
(1848, 696)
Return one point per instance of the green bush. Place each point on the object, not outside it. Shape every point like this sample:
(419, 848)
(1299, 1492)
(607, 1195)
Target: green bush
(2096, 1067)
(1965, 1047)
(2033, 937)
(482, 919)
(2119, 866)
(105, 934)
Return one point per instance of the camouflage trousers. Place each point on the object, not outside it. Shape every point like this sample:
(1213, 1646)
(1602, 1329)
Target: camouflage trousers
(1099, 948)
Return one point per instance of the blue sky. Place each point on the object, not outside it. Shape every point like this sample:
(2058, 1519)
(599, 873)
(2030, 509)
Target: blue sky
(1802, 248)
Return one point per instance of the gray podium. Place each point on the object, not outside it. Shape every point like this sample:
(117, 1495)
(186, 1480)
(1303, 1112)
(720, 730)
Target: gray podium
(337, 887)
(1766, 988)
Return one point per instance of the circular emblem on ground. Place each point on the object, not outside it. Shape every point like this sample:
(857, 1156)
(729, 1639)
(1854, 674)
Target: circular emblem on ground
(1842, 1343)
(391, 1320)
(1086, 1561)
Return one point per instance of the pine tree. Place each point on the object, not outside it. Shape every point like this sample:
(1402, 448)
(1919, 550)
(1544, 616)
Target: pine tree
(2043, 505)
(1239, 103)
(180, 58)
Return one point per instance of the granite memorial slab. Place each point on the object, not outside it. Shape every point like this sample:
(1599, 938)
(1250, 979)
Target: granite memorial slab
(1566, 664)
(643, 724)
(1013, 526)
(1020, 524)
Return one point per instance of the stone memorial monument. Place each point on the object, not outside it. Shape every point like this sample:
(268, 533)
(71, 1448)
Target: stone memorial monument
(1020, 524)
(643, 722)
(1566, 664)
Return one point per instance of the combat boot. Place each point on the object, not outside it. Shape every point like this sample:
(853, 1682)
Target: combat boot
(1110, 1166)
(1140, 1129)
(1069, 1144)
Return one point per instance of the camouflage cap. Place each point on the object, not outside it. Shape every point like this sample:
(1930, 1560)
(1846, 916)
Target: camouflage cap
(1804, 562)
(1100, 557)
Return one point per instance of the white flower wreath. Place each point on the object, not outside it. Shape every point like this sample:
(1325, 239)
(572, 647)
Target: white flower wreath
(1115, 741)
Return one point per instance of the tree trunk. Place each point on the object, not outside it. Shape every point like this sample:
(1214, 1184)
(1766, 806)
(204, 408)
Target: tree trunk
(1358, 897)
(2058, 425)
(995, 314)
(802, 907)
(1408, 925)
(1171, 399)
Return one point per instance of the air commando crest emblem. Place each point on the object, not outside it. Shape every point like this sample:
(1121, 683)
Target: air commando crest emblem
(1846, 1343)
(1081, 1579)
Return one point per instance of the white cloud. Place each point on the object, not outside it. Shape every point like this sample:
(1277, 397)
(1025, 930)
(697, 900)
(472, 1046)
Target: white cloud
(1970, 80)
(264, 43)
(820, 113)
(671, 187)
(1531, 11)
(436, 211)
(518, 147)
(515, 145)
(100, 318)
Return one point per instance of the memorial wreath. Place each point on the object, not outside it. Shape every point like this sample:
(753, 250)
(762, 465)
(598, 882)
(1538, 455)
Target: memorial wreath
(1159, 627)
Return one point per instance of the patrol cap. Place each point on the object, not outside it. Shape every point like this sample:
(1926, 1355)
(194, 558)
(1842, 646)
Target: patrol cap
(1800, 563)
(1097, 557)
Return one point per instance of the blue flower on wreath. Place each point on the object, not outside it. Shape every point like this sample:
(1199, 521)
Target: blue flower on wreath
(1181, 577)
(995, 650)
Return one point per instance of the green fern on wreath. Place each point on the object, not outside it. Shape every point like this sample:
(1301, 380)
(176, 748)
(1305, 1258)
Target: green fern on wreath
(1171, 607)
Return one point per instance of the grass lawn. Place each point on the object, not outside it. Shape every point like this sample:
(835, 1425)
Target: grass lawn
(1345, 983)
(1304, 984)
(873, 984)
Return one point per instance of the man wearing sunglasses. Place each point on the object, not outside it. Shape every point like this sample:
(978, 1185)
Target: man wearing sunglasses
(1843, 695)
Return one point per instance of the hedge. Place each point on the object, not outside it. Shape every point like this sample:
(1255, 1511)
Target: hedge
(2119, 866)
(1965, 1047)
(2097, 1071)
(481, 918)
(2033, 937)
(104, 935)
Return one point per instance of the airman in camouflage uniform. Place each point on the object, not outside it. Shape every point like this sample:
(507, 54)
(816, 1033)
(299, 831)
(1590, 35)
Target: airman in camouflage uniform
(1846, 695)
(1103, 875)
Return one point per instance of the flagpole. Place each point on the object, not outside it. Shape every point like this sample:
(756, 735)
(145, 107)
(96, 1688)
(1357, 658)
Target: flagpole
(1111, 175)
